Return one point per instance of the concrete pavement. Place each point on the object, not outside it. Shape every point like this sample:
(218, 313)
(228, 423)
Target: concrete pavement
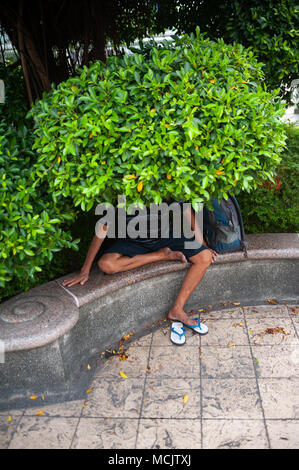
(237, 387)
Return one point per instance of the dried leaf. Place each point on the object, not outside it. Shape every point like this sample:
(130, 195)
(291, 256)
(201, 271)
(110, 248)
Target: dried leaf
(89, 390)
(33, 397)
(124, 376)
(88, 367)
(9, 419)
(39, 413)
(270, 301)
(236, 303)
(273, 331)
(186, 398)
(126, 337)
(123, 357)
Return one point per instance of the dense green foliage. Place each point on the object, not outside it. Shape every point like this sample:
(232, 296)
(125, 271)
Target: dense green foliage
(274, 206)
(31, 225)
(189, 120)
(270, 28)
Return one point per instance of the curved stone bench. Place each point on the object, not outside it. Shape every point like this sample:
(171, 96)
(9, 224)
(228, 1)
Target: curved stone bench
(50, 333)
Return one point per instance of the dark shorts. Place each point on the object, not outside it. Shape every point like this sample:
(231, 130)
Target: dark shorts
(131, 248)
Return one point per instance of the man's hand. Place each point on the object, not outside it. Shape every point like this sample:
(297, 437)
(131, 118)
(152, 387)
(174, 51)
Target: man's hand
(81, 278)
(214, 254)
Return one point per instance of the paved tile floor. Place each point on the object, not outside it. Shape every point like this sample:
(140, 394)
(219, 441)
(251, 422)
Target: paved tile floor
(237, 387)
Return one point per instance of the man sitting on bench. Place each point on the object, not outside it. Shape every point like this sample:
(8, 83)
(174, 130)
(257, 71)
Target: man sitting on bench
(129, 253)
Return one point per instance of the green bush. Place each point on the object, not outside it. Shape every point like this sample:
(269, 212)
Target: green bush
(190, 119)
(274, 205)
(32, 227)
(271, 29)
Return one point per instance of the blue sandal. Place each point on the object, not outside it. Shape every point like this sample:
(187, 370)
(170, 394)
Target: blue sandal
(178, 333)
(200, 328)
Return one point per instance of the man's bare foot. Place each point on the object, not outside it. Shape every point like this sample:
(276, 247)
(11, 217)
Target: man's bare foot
(177, 313)
(168, 254)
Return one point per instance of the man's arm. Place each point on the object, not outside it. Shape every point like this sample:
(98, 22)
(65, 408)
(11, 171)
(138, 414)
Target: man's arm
(190, 216)
(83, 276)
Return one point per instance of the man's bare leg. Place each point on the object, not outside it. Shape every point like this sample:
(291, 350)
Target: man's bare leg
(112, 263)
(200, 264)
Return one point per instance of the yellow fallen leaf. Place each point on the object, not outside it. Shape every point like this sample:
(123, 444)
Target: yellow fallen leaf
(88, 367)
(236, 303)
(130, 177)
(89, 390)
(186, 398)
(124, 376)
(33, 397)
(9, 419)
(39, 413)
(272, 301)
(126, 337)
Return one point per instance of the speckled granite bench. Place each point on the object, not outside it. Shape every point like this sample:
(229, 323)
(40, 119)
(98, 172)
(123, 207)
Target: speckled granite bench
(51, 332)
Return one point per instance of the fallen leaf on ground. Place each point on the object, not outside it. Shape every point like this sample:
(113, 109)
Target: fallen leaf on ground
(271, 301)
(126, 337)
(273, 331)
(33, 397)
(124, 376)
(236, 303)
(186, 398)
(89, 390)
(9, 419)
(123, 357)
(39, 413)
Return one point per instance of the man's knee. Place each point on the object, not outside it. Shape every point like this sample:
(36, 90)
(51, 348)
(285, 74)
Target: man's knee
(107, 265)
(204, 257)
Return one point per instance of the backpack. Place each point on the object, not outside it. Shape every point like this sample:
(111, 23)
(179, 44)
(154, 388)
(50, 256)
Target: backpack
(223, 227)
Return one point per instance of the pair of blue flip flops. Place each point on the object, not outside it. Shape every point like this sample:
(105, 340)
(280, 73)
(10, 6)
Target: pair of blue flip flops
(178, 332)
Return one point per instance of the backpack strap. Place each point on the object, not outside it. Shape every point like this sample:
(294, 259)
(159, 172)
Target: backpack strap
(244, 243)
